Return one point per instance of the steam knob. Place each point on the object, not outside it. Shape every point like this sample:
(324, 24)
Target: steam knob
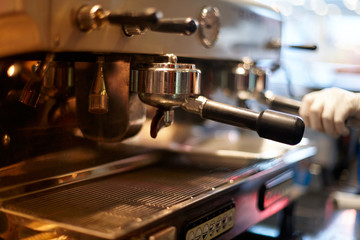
(276, 44)
(185, 26)
(90, 18)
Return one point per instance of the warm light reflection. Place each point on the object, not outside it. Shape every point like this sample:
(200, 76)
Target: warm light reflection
(240, 71)
(11, 71)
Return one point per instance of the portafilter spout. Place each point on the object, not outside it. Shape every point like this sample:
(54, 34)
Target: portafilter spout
(170, 84)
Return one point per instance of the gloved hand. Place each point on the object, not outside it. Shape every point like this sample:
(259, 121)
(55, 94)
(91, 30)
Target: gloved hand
(327, 110)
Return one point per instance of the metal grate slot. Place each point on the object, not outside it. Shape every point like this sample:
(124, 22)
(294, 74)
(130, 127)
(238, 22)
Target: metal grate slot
(111, 204)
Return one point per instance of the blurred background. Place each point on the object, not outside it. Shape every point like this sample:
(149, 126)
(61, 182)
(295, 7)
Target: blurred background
(332, 25)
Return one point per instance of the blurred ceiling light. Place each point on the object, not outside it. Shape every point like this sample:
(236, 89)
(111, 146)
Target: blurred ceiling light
(351, 4)
(333, 10)
(357, 10)
(297, 2)
(319, 7)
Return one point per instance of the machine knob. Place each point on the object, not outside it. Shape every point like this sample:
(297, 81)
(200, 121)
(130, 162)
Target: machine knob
(276, 44)
(89, 18)
(185, 26)
(150, 17)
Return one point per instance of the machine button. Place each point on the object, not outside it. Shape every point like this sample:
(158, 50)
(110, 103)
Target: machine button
(230, 218)
(218, 224)
(212, 229)
(205, 232)
(212, 225)
(224, 221)
(191, 236)
(198, 234)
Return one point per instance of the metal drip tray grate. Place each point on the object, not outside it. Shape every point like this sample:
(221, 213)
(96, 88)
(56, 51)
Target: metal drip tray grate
(111, 204)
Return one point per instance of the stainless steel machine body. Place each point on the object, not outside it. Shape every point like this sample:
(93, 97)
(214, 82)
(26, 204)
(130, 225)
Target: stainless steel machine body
(79, 81)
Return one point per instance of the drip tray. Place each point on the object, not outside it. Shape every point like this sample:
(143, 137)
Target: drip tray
(112, 206)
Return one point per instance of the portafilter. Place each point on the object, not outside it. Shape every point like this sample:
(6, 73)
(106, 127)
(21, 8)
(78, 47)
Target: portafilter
(168, 85)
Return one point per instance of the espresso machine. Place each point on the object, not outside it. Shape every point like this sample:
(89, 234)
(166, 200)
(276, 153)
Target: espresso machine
(125, 120)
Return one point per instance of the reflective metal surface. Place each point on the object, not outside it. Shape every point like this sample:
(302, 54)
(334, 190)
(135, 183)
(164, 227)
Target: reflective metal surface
(61, 34)
(208, 147)
(113, 206)
(74, 163)
(209, 26)
(165, 84)
(26, 183)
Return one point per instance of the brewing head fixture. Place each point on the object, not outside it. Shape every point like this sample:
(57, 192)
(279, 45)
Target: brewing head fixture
(165, 85)
(98, 97)
(34, 79)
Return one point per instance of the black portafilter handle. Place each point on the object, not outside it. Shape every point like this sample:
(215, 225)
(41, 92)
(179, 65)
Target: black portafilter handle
(269, 124)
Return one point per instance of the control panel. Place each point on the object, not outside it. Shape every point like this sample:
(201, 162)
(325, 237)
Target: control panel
(211, 225)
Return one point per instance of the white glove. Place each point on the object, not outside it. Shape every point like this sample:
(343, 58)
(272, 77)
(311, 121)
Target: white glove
(327, 110)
